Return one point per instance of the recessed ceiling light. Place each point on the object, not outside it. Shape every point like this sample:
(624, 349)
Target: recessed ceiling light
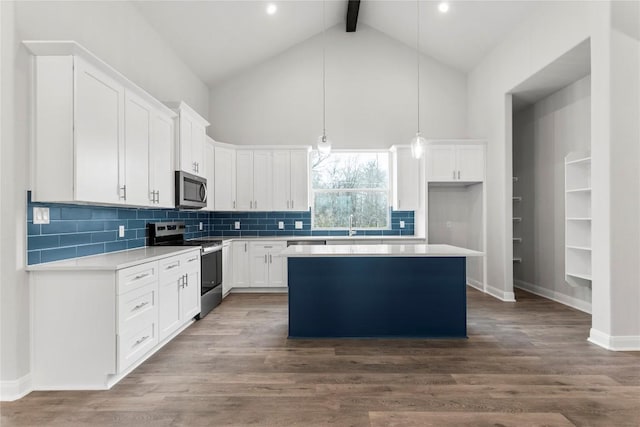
(443, 7)
(272, 9)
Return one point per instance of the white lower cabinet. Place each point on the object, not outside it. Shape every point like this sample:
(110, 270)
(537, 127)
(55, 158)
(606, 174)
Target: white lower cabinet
(240, 263)
(92, 326)
(268, 267)
(227, 268)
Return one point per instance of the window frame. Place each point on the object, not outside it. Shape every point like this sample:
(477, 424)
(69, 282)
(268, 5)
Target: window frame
(312, 191)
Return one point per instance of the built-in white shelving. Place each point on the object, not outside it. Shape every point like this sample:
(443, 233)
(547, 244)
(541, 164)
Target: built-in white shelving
(578, 219)
(516, 230)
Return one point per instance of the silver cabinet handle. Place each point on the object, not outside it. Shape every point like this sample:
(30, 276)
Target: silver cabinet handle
(292, 204)
(152, 196)
(172, 266)
(454, 174)
(245, 246)
(458, 174)
(157, 196)
(139, 306)
(265, 258)
(287, 204)
(398, 203)
(255, 204)
(234, 204)
(250, 204)
(123, 189)
(192, 259)
(186, 280)
(267, 247)
(140, 276)
(270, 259)
(141, 340)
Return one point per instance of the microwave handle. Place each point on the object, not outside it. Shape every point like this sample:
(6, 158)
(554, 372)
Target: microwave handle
(206, 192)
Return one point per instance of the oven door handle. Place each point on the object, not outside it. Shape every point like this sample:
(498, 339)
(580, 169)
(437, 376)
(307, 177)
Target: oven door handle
(211, 249)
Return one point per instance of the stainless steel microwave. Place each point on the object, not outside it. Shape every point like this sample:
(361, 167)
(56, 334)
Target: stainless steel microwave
(191, 191)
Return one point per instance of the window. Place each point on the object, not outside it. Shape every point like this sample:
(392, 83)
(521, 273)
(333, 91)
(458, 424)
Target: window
(350, 183)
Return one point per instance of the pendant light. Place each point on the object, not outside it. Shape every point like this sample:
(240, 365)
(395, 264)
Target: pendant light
(324, 145)
(418, 142)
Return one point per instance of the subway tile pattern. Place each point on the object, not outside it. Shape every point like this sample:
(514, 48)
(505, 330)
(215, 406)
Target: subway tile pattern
(265, 224)
(76, 231)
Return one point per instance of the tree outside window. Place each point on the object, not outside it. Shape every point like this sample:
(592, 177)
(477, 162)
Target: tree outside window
(350, 183)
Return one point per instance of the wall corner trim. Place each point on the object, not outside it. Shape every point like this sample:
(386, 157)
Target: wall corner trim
(15, 389)
(614, 343)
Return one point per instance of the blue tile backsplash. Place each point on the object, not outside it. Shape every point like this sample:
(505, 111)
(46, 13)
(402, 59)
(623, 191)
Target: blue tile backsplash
(76, 231)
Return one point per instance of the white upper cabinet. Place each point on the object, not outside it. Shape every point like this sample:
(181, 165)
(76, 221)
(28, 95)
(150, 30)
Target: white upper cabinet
(98, 138)
(290, 182)
(161, 173)
(407, 179)
(137, 136)
(209, 164)
(254, 179)
(224, 182)
(191, 134)
(456, 162)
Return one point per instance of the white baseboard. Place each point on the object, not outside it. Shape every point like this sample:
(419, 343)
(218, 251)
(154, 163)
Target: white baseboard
(500, 294)
(554, 296)
(475, 284)
(283, 290)
(615, 343)
(15, 389)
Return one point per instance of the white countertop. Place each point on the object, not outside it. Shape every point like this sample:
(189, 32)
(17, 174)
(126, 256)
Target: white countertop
(114, 260)
(327, 238)
(408, 250)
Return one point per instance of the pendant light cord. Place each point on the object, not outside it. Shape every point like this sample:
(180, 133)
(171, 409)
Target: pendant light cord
(324, 78)
(418, 55)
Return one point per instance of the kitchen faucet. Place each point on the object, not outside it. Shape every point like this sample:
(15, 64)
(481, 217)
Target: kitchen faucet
(351, 230)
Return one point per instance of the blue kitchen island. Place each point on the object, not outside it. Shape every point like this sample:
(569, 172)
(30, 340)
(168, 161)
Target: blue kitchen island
(377, 291)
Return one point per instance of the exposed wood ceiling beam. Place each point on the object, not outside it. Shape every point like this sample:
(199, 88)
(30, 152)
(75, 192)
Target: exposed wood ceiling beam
(352, 15)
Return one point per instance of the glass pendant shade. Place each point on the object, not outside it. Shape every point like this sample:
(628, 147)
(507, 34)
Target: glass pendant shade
(417, 146)
(324, 145)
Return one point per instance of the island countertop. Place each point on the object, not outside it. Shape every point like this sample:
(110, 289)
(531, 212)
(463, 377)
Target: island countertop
(409, 250)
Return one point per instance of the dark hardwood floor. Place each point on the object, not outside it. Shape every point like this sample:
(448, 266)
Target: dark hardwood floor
(524, 364)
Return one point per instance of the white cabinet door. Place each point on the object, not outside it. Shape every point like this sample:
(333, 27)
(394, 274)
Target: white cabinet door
(470, 159)
(244, 180)
(407, 185)
(99, 145)
(441, 163)
(190, 292)
(227, 268)
(169, 305)
(198, 136)
(299, 180)
(281, 180)
(161, 163)
(277, 265)
(137, 135)
(259, 261)
(186, 136)
(209, 164)
(224, 179)
(240, 263)
(262, 180)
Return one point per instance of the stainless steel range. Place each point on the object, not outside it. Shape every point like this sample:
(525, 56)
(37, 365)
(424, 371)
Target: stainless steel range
(172, 234)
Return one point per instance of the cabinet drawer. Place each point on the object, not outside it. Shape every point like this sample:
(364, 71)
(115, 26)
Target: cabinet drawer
(135, 343)
(190, 260)
(171, 267)
(137, 307)
(135, 277)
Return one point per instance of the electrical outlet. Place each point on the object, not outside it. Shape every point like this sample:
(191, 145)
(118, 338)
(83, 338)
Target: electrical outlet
(298, 225)
(280, 225)
(121, 231)
(401, 224)
(200, 227)
(236, 225)
(41, 215)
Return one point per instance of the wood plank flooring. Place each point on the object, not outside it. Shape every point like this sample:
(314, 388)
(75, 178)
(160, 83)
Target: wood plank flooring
(524, 364)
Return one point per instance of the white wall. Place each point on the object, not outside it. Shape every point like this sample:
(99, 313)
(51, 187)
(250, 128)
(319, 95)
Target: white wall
(119, 35)
(543, 134)
(537, 42)
(371, 95)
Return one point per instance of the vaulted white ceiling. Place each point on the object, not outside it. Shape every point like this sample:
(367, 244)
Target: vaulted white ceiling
(217, 39)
